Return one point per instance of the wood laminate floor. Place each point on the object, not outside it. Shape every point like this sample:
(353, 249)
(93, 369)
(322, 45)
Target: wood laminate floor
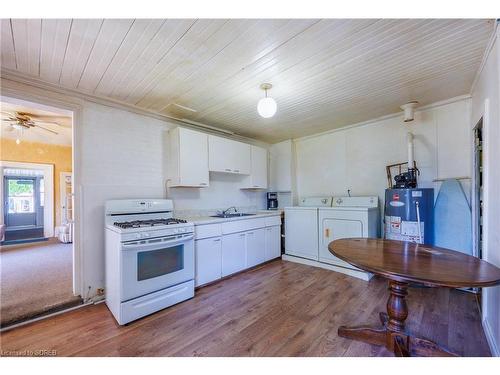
(278, 309)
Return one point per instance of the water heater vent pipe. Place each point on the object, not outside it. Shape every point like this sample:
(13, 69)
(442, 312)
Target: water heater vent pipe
(411, 158)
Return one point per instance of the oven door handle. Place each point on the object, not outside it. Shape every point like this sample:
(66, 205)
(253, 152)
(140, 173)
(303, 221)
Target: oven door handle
(157, 244)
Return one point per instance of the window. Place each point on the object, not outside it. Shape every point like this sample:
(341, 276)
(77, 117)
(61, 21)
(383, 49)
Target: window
(21, 196)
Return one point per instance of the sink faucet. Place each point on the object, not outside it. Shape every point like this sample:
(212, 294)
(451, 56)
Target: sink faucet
(226, 211)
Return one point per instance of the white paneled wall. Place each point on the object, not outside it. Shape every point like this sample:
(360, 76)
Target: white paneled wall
(122, 148)
(486, 103)
(124, 156)
(355, 158)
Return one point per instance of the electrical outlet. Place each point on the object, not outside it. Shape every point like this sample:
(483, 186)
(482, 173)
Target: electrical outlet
(100, 291)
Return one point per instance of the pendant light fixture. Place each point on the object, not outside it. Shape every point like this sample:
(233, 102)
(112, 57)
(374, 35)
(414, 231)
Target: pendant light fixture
(267, 106)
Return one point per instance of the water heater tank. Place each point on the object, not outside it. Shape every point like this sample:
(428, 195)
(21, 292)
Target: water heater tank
(405, 209)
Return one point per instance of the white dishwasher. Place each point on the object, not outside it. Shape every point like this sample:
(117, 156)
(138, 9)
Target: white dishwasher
(348, 217)
(301, 227)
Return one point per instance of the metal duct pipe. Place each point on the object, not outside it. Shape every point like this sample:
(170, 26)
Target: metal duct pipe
(411, 158)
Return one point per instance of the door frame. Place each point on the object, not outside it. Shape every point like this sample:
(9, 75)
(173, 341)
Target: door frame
(475, 190)
(484, 115)
(62, 188)
(28, 94)
(48, 182)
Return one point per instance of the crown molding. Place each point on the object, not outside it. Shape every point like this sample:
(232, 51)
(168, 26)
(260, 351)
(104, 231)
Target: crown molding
(386, 117)
(16, 77)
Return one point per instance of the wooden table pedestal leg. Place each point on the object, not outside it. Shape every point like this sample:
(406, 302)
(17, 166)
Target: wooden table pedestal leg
(393, 335)
(397, 312)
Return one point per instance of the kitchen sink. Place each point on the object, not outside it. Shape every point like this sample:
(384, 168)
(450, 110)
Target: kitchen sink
(231, 215)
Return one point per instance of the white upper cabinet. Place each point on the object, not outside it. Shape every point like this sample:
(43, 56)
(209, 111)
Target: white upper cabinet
(187, 158)
(258, 173)
(228, 156)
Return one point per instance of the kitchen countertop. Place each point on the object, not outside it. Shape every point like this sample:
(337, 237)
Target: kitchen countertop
(200, 220)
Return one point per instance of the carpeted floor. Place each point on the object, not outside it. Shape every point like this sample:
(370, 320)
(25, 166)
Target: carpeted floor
(35, 279)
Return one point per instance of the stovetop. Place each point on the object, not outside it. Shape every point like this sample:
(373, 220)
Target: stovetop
(148, 223)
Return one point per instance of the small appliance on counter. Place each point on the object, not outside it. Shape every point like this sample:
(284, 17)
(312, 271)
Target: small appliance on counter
(272, 200)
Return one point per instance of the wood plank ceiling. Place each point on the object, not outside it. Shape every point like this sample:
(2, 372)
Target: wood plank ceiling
(326, 73)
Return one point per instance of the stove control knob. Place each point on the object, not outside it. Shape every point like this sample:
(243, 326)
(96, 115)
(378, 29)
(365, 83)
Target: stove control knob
(137, 236)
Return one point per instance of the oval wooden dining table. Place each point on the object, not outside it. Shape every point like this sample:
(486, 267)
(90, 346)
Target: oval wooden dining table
(402, 263)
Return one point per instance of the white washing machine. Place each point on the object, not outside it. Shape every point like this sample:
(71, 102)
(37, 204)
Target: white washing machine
(348, 217)
(301, 227)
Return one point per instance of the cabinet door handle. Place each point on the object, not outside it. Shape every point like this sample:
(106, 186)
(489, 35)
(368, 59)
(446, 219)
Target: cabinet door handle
(203, 183)
(217, 240)
(327, 232)
(228, 170)
(249, 232)
(236, 170)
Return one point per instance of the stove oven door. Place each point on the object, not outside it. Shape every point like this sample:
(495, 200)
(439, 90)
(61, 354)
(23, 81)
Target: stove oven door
(155, 264)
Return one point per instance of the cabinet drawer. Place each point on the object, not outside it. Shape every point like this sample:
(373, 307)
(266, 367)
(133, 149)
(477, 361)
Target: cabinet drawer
(243, 225)
(207, 231)
(273, 220)
(153, 302)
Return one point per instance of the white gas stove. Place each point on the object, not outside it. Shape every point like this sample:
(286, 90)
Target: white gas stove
(149, 257)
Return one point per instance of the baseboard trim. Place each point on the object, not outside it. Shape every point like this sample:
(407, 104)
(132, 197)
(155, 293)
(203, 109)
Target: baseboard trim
(346, 271)
(43, 317)
(490, 338)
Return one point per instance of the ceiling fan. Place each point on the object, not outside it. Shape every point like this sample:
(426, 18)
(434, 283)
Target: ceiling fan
(23, 121)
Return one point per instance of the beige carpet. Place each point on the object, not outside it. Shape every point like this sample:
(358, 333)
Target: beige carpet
(36, 279)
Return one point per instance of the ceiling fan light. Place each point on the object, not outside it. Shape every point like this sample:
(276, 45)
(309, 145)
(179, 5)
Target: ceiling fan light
(267, 107)
(18, 141)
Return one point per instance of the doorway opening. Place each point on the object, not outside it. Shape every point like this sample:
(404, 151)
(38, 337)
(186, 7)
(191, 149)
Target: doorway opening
(23, 202)
(36, 215)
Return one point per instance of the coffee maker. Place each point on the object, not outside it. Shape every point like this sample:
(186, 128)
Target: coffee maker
(272, 201)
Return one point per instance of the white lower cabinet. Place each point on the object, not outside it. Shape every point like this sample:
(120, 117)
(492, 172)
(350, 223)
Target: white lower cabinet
(273, 242)
(233, 253)
(208, 260)
(256, 247)
(222, 250)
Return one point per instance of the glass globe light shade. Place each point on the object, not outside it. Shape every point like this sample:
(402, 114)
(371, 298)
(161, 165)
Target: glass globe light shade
(267, 107)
